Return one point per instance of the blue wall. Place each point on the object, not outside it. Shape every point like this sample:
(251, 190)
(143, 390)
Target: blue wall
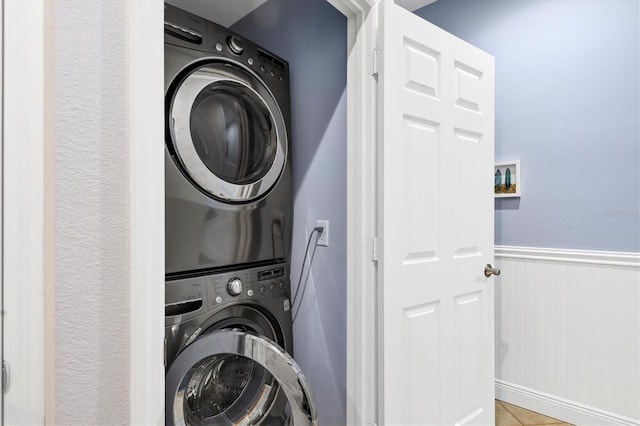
(567, 106)
(312, 36)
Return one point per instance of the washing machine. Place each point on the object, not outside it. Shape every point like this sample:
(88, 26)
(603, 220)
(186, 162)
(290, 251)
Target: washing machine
(228, 198)
(228, 344)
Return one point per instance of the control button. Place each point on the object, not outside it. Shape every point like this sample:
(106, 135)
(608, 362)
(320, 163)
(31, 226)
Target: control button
(272, 287)
(235, 44)
(219, 47)
(263, 290)
(250, 61)
(281, 284)
(262, 68)
(273, 74)
(218, 299)
(281, 78)
(234, 286)
(249, 292)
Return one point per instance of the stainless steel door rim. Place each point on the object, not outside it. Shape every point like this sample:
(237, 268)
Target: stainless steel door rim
(180, 116)
(257, 349)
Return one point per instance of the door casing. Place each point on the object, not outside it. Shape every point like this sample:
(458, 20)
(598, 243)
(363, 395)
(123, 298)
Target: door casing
(362, 306)
(23, 210)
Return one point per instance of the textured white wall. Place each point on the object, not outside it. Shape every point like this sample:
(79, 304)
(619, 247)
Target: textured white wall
(91, 212)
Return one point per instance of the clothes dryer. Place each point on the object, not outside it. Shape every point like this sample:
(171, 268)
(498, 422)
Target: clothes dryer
(227, 164)
(227, 338)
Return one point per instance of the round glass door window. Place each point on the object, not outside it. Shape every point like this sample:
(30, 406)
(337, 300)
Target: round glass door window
(228, 133)
(248, 380)
(233, 133)
(225, 389)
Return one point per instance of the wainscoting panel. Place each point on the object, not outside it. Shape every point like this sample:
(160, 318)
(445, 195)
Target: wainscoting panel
(568, 333)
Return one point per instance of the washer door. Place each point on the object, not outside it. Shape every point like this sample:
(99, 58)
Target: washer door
(227, 132)
(230, 377)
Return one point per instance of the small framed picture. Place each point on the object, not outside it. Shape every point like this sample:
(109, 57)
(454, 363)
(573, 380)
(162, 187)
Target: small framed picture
(507, 179)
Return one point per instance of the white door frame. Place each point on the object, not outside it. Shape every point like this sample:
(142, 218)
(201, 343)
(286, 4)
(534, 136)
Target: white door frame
(27, 150)
(362, 304)
(23, 209)
(146, 203)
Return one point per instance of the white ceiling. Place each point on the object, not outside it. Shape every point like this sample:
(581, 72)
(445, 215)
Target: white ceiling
(223, 12)
(414, 4)
(228, 12)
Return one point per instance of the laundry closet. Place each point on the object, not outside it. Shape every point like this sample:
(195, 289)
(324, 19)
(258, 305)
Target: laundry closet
(311, 37)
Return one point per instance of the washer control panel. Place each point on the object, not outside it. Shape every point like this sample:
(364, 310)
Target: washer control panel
(192, 296)
(248, 284)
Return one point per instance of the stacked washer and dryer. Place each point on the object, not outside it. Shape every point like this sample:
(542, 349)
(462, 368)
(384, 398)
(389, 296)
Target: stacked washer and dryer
(228, 227)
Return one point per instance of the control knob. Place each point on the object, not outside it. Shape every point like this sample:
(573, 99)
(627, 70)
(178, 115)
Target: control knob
(235, 44)
(234, 286)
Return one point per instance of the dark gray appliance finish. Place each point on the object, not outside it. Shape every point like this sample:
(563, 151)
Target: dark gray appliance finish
(227, 165)
(227, 337)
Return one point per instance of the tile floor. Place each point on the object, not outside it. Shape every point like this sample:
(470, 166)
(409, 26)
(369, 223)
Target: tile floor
(511, 415)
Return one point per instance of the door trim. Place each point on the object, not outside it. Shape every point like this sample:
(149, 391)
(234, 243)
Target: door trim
(146, 112)
(23, 207)
(362, 365)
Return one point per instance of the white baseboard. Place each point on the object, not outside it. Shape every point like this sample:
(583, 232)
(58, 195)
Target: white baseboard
(562, 409)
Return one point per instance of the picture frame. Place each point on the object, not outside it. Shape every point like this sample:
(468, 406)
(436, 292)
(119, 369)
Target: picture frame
(506, 179)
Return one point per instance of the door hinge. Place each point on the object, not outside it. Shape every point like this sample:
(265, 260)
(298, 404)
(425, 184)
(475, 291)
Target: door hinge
(5, 377)
(373, 248)
(374, 62)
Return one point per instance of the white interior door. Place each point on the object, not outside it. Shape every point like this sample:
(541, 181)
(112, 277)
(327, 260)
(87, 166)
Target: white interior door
(436, 111)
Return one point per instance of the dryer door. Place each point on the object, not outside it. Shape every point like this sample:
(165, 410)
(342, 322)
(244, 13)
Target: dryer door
(227, 132)
(229, 377)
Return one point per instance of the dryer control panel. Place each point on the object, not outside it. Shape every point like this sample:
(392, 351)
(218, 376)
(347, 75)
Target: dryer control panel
(185, 29)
